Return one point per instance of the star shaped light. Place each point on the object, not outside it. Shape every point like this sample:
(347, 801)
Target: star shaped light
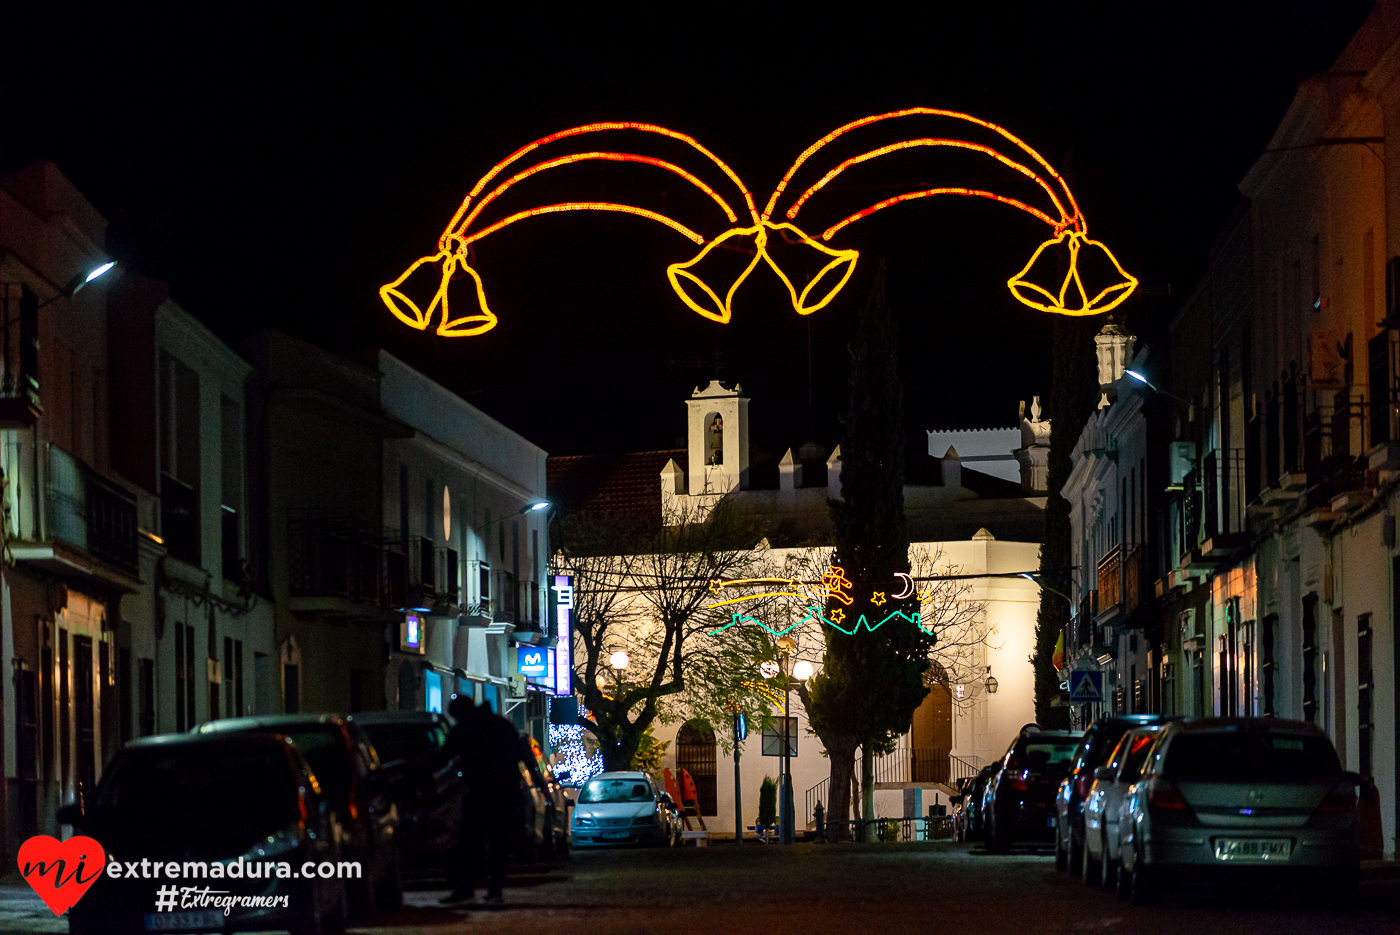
(877, 598)
(838, 615)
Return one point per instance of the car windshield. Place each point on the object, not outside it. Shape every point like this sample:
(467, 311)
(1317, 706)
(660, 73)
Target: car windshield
(616, 790)
(324, 749)
(224, 787)
(1099, 745)
(414, 743)
(1250, 757)
(1039, 754)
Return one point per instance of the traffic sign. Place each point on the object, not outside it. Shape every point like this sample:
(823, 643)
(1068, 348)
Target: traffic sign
(1085, 686)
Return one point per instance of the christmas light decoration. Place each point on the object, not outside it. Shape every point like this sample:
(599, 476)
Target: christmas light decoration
(575, 765)
(908, 586)
(424, 292)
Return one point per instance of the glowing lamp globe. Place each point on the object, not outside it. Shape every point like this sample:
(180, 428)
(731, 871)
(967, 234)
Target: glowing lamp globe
(802, 671)
(768, 669)
(619, 660)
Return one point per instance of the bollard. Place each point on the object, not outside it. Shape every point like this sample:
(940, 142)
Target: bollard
(819, 818)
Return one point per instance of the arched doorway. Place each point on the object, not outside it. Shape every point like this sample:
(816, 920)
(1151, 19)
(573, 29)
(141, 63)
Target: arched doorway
(696, 753)
(931, 734)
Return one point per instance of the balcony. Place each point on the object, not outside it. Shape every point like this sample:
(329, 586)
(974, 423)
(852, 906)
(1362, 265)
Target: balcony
(1110, 588)
(337, 568)
(85, 517)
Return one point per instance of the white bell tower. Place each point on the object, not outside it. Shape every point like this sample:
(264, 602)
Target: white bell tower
(718, 440)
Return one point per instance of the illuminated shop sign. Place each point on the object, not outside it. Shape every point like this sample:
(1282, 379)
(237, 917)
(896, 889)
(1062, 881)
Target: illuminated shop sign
(561, 591)
(411, 634)
(533, 661)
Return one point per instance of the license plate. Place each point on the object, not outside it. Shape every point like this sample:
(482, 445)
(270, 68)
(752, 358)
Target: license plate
(1259, 849)
(615, 835)
(184, 921)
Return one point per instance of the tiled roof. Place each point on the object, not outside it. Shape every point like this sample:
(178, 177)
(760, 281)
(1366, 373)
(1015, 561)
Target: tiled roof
(615, 484)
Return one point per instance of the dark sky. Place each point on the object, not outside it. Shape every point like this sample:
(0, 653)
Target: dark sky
(277, 164)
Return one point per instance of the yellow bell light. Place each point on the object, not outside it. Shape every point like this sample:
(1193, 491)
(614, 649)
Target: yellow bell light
(1072, 275)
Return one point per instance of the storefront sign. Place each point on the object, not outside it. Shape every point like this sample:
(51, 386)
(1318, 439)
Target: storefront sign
(561, 599)
(533, 661)
(411, 634)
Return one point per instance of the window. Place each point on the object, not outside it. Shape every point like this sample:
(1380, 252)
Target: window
(1310, 657)
(696, 754)
(1267, 664)
(233, 677)
(484, 586)
(1365, 692)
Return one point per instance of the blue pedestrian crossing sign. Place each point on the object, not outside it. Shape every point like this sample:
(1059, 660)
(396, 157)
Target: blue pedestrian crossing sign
(1085, 686)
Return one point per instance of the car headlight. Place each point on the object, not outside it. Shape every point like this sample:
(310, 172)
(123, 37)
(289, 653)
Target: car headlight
(584, 822)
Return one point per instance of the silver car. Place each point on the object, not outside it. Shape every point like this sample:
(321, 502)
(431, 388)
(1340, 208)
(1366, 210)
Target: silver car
(1103, 806)
(1221, 798)
(622, 808)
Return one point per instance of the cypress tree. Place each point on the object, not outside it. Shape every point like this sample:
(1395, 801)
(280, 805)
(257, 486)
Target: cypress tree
(1073, 388)
(871, 680)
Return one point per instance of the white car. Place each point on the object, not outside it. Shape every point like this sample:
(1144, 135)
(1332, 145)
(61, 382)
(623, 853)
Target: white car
(622, 808)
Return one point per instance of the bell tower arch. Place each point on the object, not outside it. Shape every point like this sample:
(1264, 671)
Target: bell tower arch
(718, 439)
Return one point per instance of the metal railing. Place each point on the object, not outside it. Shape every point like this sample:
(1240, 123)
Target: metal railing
(890, 830)
(1110, 592)
(330, 557)
(963, 767)
(87, 511)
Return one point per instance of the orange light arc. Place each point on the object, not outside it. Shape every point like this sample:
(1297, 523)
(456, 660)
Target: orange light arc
(426, 291)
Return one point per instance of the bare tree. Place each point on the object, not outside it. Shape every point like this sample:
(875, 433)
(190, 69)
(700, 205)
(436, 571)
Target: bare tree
(646, 590)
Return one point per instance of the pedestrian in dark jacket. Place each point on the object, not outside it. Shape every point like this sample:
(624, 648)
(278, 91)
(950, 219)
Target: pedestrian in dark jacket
(492, 815)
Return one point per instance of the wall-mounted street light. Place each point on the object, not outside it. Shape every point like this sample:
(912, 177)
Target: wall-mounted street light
(535, 507)
(991, 684)
(80, 281)
(1190, 406)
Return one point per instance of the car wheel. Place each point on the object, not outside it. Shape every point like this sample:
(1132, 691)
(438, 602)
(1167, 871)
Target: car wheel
(1108, 869)
(363, 904)
(1061, 857)
(1093, 869)
(1145, 887)
(390, 895)
(1124, 889)
(1076, 855)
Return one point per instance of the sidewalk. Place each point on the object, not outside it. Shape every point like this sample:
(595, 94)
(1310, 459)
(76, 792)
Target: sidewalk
(22, 911)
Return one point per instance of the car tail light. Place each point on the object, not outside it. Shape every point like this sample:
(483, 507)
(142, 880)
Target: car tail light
(1165, 798)
(1338, 801)
(1082, 783)
(1017, 781)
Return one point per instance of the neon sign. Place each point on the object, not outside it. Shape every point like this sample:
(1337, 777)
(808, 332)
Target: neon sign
(1068, 274)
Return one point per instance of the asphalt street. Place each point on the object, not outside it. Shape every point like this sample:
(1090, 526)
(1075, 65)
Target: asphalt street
(823, 889)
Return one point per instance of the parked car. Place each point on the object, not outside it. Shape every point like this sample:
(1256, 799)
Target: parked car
(958, 803)
(1099, 740)
(976, 793)
(1108, 794)
(1019, 804)
(556, 842)
(348, 769)
(1220, 794)
(622, 808)
(217, 799)
(425, 783)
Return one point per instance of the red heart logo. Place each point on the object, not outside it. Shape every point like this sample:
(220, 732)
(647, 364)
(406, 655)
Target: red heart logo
(61, 871)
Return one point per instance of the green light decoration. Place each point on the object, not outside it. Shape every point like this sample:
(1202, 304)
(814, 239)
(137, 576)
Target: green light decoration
(815, 613)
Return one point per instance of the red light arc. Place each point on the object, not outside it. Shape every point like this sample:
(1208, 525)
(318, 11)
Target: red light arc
(425, 292)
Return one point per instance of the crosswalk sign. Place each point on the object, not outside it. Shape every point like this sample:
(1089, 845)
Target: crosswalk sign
(1085, 686)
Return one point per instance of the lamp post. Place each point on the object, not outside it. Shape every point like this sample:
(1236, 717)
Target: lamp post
(802, 671)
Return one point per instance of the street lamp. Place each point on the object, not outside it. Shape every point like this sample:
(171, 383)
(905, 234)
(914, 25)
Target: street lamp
(991, 684)
(619, 659)
(80, 281)
(1190, 406)
(786, 647)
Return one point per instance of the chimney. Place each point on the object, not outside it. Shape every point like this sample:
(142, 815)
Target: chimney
(789, 472)
(952, 468)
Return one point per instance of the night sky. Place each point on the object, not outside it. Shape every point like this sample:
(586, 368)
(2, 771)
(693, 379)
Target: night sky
(276, 166)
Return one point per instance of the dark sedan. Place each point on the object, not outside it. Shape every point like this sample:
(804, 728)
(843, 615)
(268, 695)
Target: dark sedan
(425, 782)
(344, 761)
(226, 802)
(1020, 800)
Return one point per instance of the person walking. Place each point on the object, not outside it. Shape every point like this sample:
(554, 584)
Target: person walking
(488, 748)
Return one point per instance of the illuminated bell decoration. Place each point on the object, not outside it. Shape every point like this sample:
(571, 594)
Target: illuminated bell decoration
(1068, 274)
(769, 669)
